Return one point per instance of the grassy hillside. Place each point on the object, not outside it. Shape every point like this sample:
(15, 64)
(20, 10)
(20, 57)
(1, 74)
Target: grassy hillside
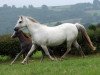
(93, 12)
(60, 8)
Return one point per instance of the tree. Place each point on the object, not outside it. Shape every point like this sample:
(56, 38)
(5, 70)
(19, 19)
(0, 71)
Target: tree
(24, 7)
(44, 7)
(98, 25)
(13, 6)
(5, 6)
(96, 4)
(92, 27)
(30, 7)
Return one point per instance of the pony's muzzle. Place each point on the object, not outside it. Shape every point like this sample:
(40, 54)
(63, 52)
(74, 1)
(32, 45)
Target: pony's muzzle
(16, 28)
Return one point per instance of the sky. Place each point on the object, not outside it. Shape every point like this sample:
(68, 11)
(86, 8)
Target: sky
(38, 3)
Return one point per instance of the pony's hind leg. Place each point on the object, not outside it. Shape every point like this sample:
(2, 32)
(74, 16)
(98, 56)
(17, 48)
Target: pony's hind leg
(68, 49)
(79, 48)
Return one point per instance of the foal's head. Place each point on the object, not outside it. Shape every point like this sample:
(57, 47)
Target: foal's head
(17, 34)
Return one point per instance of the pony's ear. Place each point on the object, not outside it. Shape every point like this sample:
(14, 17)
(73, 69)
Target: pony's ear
(21, 17)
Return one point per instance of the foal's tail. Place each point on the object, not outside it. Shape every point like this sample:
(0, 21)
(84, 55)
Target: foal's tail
(82, 29)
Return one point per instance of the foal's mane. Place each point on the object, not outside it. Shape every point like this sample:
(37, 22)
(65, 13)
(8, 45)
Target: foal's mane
(25, 34)
(33, 20)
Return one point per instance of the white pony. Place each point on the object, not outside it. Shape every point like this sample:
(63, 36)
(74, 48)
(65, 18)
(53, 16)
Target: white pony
(44, 35)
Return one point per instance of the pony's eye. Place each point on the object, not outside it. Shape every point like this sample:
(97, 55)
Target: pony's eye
(20, 21)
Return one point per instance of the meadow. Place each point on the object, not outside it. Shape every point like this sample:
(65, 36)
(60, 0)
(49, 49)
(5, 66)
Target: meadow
(72, 65)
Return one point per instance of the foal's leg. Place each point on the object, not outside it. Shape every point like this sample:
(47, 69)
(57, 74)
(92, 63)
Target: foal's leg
(68, 49)
(17, 56)
(24, 54)
(47, 52)
(79, 48)
(31, 50)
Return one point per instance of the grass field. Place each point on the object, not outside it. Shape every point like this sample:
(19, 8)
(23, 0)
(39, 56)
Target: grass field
(90, 65)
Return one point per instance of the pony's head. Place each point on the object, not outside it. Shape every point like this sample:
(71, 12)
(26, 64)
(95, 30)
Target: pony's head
(20, 23)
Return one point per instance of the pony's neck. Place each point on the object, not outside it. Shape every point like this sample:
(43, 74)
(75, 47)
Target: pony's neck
(33, 26)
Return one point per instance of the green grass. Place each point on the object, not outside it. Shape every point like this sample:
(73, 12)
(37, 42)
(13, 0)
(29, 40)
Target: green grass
(90, 65)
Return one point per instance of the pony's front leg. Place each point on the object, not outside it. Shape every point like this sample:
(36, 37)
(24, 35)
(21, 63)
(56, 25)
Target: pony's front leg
(47, 52)
(29, 53)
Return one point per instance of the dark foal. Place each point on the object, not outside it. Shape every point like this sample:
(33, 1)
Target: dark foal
(26, 43)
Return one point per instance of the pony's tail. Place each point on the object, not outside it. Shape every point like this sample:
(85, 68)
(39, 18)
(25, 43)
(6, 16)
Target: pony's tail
(82, 29)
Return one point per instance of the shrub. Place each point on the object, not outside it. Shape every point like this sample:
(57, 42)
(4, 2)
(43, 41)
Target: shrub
(9, 46)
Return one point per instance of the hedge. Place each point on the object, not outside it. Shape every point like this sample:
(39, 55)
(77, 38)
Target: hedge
(11, 47)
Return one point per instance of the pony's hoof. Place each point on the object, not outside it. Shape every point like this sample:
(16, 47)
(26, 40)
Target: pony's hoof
(22, 63)
(11, 63)
(52, 59)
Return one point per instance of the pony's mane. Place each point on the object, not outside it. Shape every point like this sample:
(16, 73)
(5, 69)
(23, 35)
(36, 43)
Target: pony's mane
(33, 20)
